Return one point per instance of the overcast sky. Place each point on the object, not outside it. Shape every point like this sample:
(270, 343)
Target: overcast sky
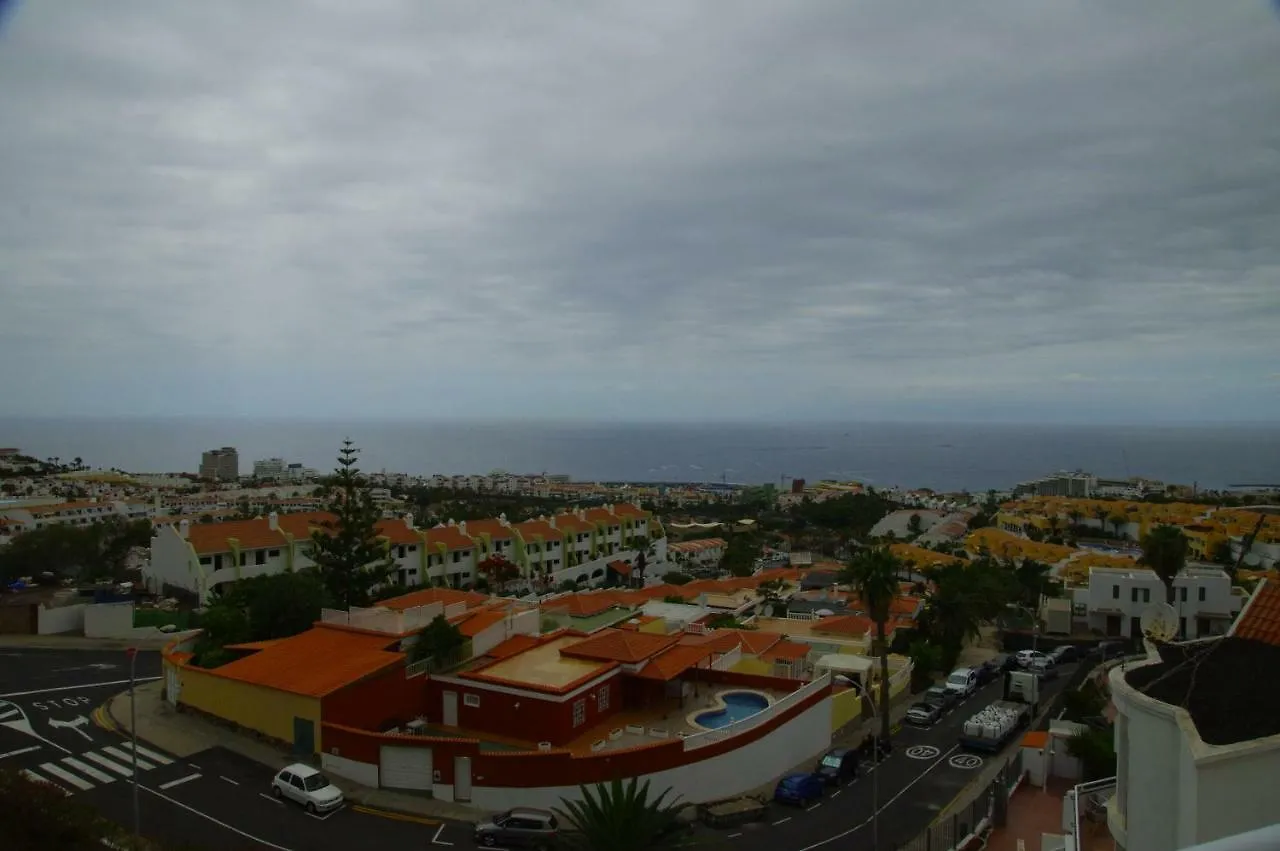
(868, 209)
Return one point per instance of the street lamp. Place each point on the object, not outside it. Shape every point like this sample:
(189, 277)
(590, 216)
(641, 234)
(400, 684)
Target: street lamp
(133, 730)
(875, 776)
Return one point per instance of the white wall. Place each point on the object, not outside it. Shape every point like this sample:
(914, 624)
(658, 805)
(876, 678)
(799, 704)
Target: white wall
(61, 619)
(802, 738)
(522, 623)
(108, 620)
(361, 772)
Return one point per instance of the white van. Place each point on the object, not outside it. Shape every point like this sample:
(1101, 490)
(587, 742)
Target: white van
(963, 682)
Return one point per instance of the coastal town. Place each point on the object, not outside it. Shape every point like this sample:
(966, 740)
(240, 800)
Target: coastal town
(466, 658)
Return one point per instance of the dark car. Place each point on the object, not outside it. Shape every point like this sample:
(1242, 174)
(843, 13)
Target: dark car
(518, 828)
(987, 672)
(923, 714)
(1107, 650)
(944, 698)
(838, 766)
(1064, 653)
(799, 789)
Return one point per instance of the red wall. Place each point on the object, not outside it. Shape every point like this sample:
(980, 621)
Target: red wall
(521, 716)
(560, 768)
(383, 701)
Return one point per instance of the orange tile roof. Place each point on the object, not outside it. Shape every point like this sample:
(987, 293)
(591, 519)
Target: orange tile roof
(531, 530)
(600, 515)
(255, 645)
(786, 650)
(853, 626)
(210, 538)
(756, 642)
(515, 645)
(477, 622)
(491, 527)
(443, 596)
(1260, 621)
(673, 662)
(398, 532)
(620, 567)
(626, 509)
(315, 663)
(1035, 739)
(450, 537)
(720, 640)
(572, 523)
(634, 624)
(583, 605)
(613, 645)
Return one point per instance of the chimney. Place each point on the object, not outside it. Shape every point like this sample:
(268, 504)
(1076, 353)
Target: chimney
(462, 527)
(552, 521)
(408, 520)
(502, 518)
(451, 522)
(184, 528)
(273, 521)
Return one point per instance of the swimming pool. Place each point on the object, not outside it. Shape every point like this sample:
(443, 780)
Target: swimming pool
(737, 705)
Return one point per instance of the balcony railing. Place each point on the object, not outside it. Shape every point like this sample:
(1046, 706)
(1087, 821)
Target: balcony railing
(1089, 802)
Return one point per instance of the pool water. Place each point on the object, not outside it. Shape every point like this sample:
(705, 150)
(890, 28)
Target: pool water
(737, 705)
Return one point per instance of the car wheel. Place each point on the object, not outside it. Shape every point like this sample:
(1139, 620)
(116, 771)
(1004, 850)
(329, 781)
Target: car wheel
(275, 791)
(488, 841)
(311, 807)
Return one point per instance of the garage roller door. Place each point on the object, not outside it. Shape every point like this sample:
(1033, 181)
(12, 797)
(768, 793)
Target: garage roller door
(405, 768)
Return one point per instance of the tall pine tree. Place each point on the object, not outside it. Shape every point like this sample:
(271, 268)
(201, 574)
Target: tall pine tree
(347, 553)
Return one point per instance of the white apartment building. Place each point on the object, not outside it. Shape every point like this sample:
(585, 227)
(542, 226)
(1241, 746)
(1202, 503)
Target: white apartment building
(1115, 598)
(705, 552)
(83, 513)
(269, 468)
(1175, 789)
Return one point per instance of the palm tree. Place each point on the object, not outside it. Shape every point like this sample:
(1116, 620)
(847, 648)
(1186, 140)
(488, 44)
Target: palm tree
(1076, 515)
(873, 574)
(1164, 550)
(618, 817)
(1100, 514)
(1118, 520)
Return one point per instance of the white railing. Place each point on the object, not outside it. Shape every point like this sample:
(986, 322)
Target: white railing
(801, 616)
(728, 660)
(416, 669)
(710, 737)
(1085, 793)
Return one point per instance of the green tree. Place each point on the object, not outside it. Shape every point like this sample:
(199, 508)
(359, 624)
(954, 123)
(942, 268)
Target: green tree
(618, 816)
(1075, 515)
(279, 605)
(913, 525)
(1096, 751)
(1033, 580)
(38, 817)
(440, 641)
(1164, 550)
(1223, 554)
(770, 590)
(675, 577)
(1118, 521)
(873, 574)
(347, 551)
(223, 622)
(740, 554)
(497, 570)
(1100, 513)
(926, 659)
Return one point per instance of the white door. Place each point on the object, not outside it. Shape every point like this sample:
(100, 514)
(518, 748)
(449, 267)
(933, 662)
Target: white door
(450, 709)
(462, 778)
(405, 768)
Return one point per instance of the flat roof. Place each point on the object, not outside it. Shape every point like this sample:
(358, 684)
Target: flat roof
(542, 668)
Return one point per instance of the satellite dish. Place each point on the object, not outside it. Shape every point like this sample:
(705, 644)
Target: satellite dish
(1159, 622)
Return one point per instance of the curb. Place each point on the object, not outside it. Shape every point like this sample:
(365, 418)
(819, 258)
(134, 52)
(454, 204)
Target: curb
(102, 717)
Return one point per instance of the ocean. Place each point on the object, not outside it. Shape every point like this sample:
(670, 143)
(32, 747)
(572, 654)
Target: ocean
(945, 457)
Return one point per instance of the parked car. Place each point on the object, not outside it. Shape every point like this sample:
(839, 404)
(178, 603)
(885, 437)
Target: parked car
(963, 681)
(308, 787)
(1063, 653)
(838, 766)
(988, 671)
(522, 827)
(1107, 650)
(943, 697)
(1044, 668)
(799, 789)
(1026, 657)
(923, 714)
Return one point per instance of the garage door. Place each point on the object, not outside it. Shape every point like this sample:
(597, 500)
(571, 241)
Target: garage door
(406, 768)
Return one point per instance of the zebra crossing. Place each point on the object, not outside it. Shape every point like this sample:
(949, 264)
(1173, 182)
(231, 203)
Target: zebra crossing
(83, 771)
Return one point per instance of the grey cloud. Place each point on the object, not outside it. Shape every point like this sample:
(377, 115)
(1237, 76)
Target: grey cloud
(799, 205)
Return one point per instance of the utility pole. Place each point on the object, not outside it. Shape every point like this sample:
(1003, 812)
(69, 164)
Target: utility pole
(133, 731)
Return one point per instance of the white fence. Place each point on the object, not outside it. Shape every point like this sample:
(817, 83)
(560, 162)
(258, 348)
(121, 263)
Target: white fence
(710, 737)
(728, 660)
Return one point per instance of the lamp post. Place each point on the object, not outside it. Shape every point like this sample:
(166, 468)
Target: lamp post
(133, 731)
(875, 776)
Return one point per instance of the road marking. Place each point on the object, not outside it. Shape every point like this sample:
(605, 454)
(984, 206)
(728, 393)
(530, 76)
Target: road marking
(74, 724)
(232, 782)
(180, 781)
(10, 713)
(842, 834)
(106, 763)
(36, 778)
(270, 798)
(194, 811)
(965, 761)
(73, 688)
(20, 751)
(88, 770)
(128, 757)
(194, 767)
(782, 821)
(733, 836)
(327, 815)
(157, 757)
(436, 840)
(922, 752)
(371, 811)
(836, 793)
(814, 807)
(67, 776)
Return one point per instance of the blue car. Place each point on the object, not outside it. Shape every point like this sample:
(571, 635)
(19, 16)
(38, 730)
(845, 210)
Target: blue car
(799, 789)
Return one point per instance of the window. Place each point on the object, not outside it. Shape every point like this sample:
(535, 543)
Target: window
(242, 559)
(1146, 595)
(579, 713)
(1115, 592)
(400, 551)
(457, 557)
(602, 699)
(274, 553)
(413, 548)
(1183, 593)
(1133, 595)
(1202, 594)
(260, 557)
(472, 700)
(206, 560)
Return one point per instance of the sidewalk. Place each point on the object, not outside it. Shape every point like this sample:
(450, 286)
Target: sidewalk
(184, 734)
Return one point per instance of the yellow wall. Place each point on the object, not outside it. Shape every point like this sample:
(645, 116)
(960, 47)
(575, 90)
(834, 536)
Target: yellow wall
(846, 706)
(255, 707)
(753, 665)
(658, 627)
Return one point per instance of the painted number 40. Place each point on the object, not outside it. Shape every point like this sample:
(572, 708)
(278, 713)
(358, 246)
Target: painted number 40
(60, 702)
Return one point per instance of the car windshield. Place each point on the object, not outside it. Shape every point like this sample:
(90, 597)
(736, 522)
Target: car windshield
(921, 707)
(831, 761)
(936, 692)
(958, 679)
(314, 782)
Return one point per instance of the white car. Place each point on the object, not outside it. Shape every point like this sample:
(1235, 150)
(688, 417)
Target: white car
(1026, 657)
(306, 786)
(962, 682)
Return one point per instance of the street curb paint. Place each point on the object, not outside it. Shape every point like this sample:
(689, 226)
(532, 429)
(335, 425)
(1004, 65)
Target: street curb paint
(393, 815)
(102, 717)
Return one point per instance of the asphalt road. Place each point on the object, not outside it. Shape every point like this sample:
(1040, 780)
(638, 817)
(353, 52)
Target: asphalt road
(215, 800)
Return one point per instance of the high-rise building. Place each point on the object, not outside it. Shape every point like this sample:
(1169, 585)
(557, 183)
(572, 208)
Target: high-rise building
(269, 468)
(221, 465)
